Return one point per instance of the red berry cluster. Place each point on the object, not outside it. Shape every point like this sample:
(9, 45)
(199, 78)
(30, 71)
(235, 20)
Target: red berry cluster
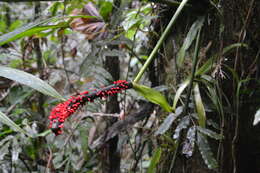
(63, 110)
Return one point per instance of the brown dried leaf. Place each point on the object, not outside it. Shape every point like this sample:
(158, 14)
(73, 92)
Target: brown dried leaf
(92, 28)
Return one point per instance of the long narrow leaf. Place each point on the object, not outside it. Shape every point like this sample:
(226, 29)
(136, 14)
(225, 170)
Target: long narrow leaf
(153, 96)
(232, 46)
(199, 106)
(33, 31)
(7, 121)
(155, 160)
(34, 28)
(179, 92)
(206, 152)
(29, 80)
(19, 32)
(205, 67)
(168, 121)
(208, 64)
(209, 133)
(189, 39)
(166, 124)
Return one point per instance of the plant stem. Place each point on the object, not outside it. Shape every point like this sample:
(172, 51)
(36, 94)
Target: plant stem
(194, 65)
(159, 43)
(185, 110)
(169, 2)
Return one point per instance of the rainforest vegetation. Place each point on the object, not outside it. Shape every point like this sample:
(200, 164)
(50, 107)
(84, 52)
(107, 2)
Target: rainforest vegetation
(130, 86)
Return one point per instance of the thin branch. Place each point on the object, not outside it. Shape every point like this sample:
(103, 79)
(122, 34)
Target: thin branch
(26, 165)
(5, 94)
(171, 3)
(49, 160)
(122, 125)
(161, 40)
(105, 115)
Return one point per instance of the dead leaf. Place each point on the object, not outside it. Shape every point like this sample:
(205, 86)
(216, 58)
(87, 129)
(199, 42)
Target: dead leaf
(92, 28)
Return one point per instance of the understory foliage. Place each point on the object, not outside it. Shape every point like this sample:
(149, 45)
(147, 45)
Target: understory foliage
(172, 86)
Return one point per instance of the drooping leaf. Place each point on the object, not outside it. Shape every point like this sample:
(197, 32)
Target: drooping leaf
(199, 106)
(211, 92)
(205, 67)
(21, 32)
(168, 122)
(37, 30)
(209, 133)
(232, 46)
(153, 96)
(92, 28)
(29, 80)
(34, 28)
(189, 143)
(206, 152)
(208, 64)
(185, 121)
(179, 92)
(189, 39)
(257, 117)
(7, 121)
(155, 160)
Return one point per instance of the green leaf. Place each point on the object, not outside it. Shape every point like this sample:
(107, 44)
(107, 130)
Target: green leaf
(7, 121)
(205, 67)
(18, 33)
(37, 30)
(179, 92)
(44, 133)
(15, 24)
(206, 152)
(3, 26)
(153, 96)
(168, 121)
(257, 117)
(106, 9)
(209, 133)
(199, 106)
(189, 39)
(166, 124)
(34, 28)
(234, 73)
(155, 160)
(29, 80)
(208, 64)
(232, 46)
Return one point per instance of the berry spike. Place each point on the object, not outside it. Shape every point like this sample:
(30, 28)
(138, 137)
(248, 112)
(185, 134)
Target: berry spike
(63, 110)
